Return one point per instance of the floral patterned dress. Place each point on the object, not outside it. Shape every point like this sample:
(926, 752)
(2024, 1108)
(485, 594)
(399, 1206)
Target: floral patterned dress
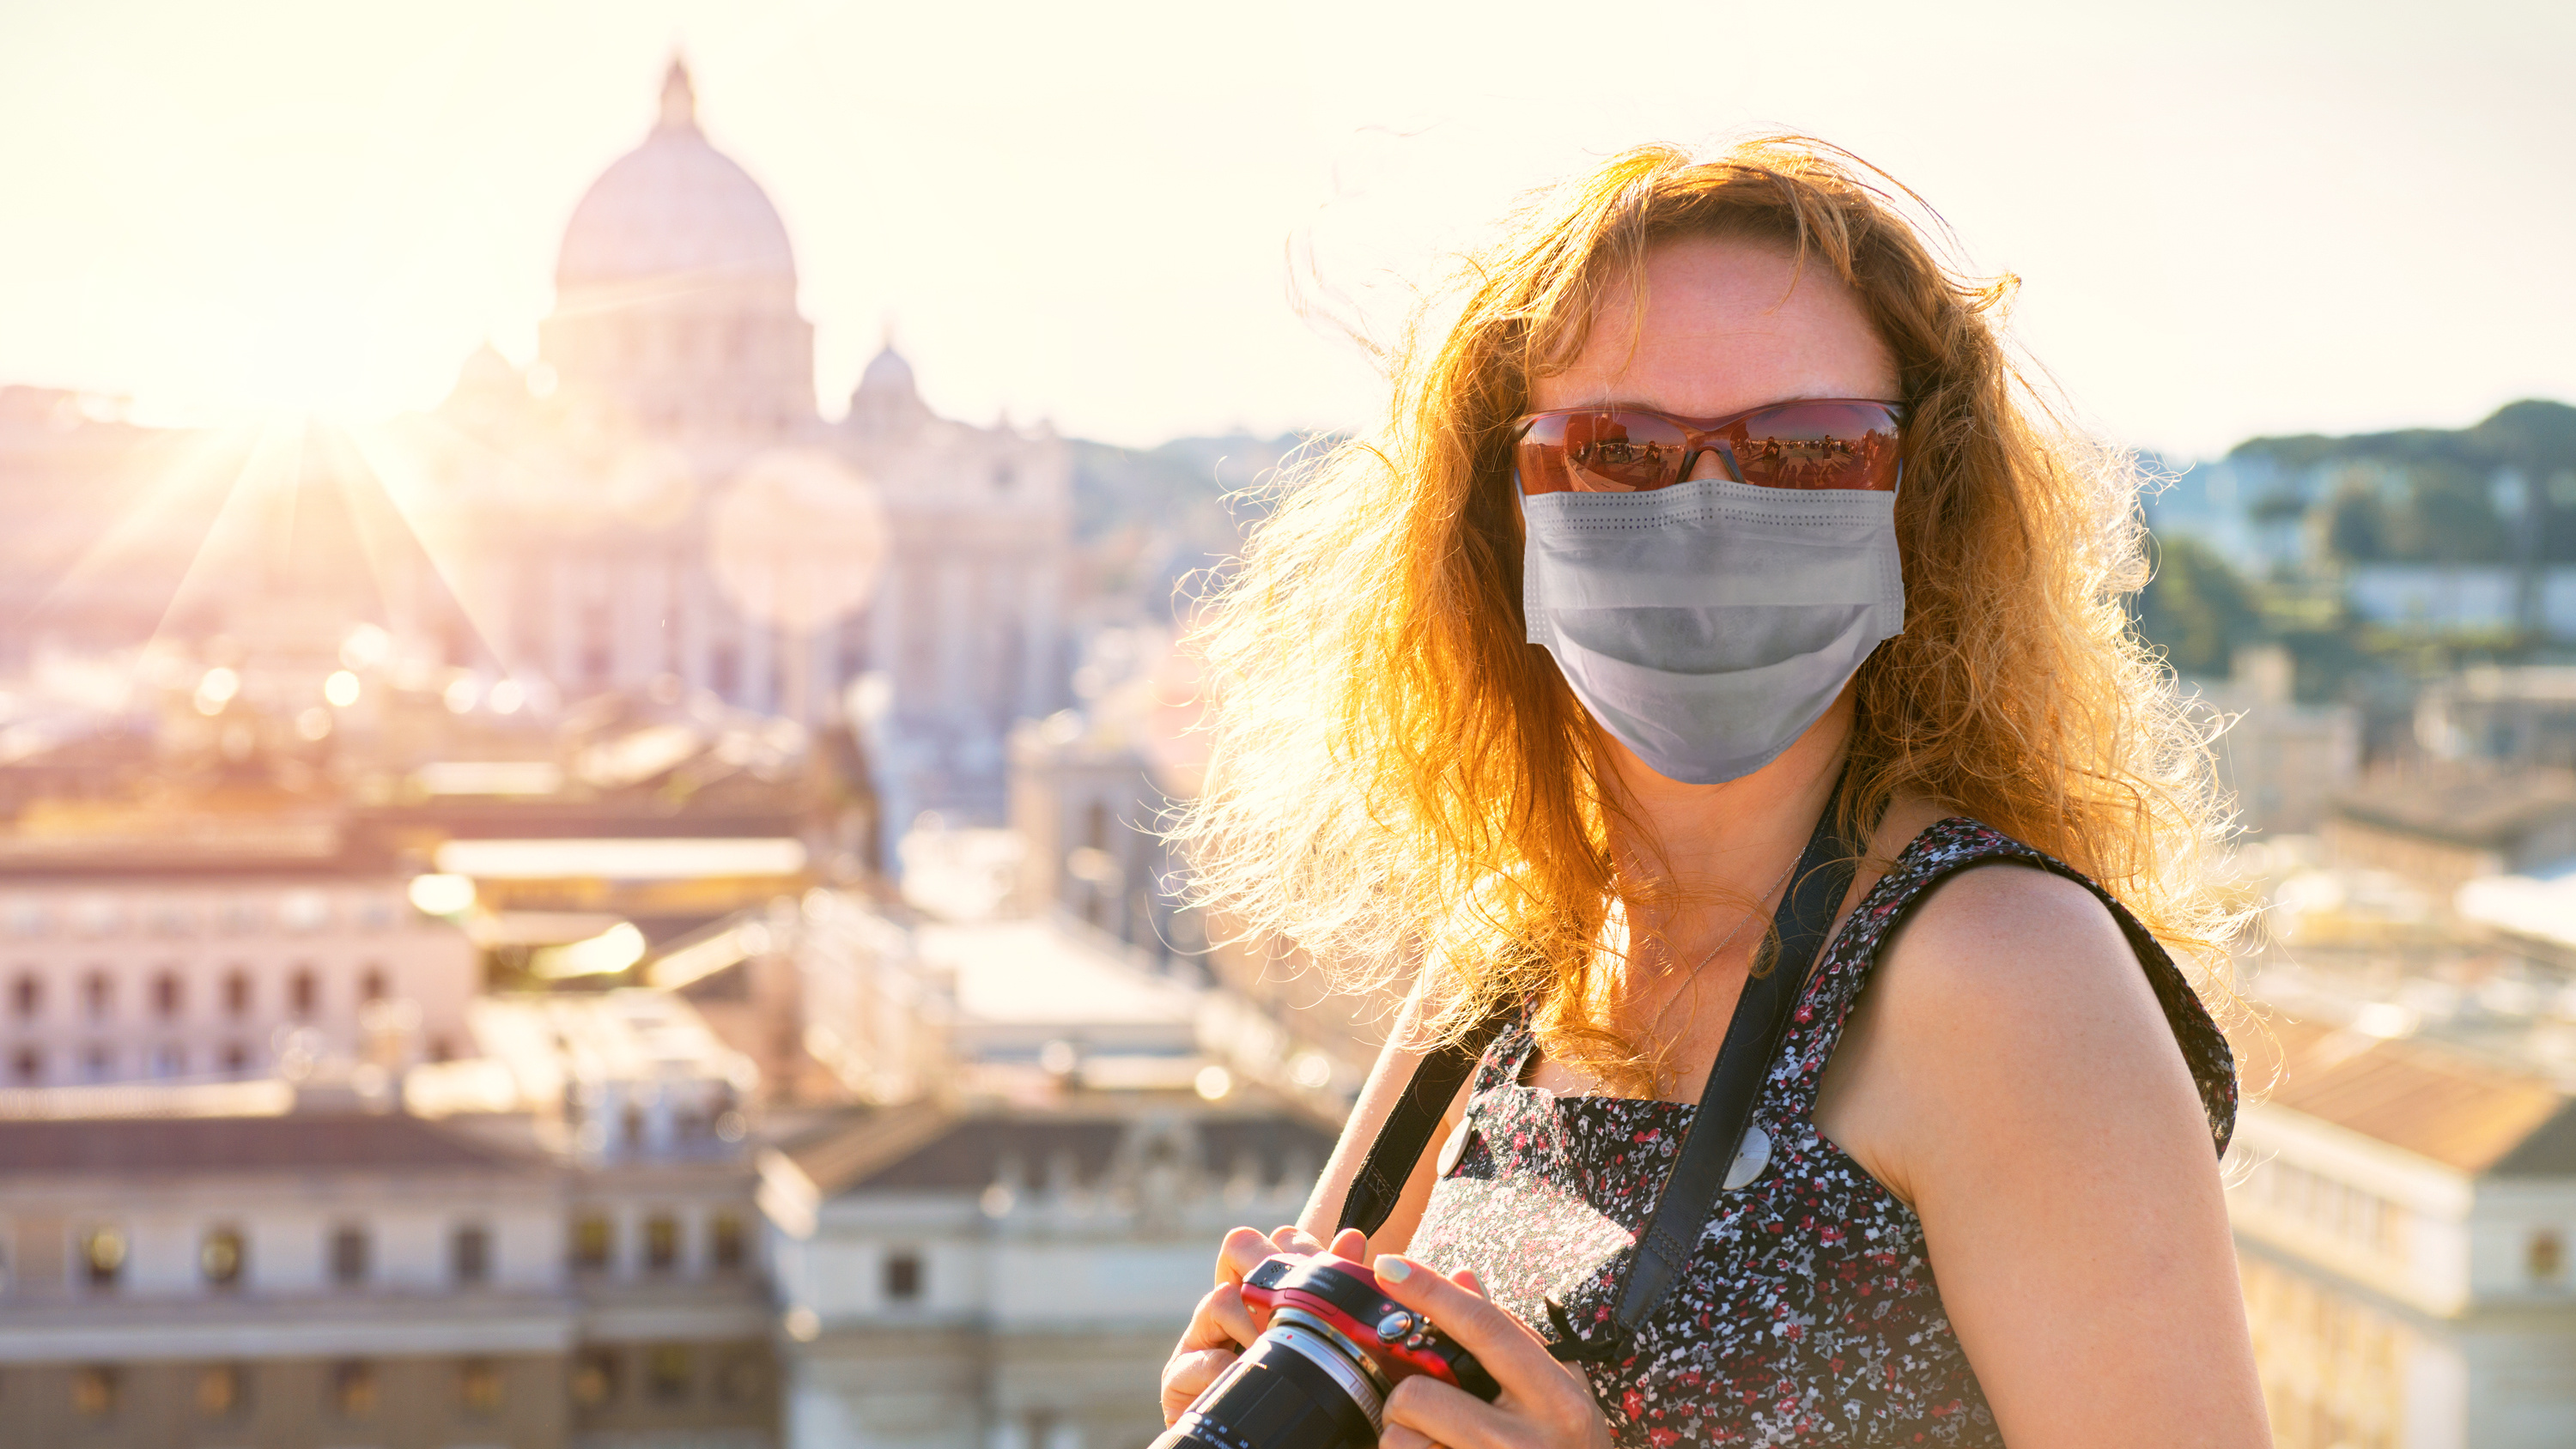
(1808, 1315)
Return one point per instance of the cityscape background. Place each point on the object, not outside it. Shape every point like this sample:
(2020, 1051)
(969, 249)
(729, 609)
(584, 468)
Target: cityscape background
(589, 656)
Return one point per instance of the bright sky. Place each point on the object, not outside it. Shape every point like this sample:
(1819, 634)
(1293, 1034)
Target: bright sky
(2230, 218)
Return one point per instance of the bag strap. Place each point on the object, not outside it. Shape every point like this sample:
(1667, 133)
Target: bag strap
(1816, 888)
(1817, 885)
(1407, 1130)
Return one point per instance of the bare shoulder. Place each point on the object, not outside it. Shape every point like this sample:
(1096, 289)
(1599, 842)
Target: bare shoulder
(2007, 1018)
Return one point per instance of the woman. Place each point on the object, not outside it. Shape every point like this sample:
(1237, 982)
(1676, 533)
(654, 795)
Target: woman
(1717, 501)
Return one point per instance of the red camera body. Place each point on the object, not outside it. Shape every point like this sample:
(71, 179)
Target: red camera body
(1397, 1340)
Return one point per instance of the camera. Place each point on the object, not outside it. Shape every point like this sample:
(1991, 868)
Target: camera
(1331, 1347)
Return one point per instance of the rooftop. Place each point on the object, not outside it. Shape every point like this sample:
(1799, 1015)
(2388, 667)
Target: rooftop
(2466, 1115)
(2485, 811)
(925, 1150)
(295, 1143)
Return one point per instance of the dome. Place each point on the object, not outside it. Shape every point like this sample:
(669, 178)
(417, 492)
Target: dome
(673, 206)
(887, 372)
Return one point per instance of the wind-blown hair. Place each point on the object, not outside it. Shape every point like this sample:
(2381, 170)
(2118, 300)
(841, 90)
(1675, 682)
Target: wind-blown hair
(1399, 781)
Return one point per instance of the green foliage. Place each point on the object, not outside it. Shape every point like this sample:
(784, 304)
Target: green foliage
(2195, 609)
(2429, 495)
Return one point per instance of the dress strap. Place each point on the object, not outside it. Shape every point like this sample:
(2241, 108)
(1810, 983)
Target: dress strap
(1940, 852)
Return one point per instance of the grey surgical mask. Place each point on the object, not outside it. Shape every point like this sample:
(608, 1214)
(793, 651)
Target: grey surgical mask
(1707, 625)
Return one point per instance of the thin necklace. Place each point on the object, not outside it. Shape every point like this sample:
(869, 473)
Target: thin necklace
(1758, 902)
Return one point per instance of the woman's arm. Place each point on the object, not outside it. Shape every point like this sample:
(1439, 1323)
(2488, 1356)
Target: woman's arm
(1221, 1323)
(1385, 1087)
(2010, 1074)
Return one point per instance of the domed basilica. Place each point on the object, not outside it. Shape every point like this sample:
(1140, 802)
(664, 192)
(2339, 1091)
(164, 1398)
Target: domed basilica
(657, 501)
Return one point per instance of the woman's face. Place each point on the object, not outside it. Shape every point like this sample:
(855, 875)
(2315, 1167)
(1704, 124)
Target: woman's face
(1728, 326)
(1724, 331)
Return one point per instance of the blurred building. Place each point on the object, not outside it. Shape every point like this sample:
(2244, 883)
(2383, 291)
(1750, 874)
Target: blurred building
(282, 1280)
(654, 504)
(2439, 829)
(551, 1241)
(2505, 718)
(1011, 1279)
(2283, 762)
(2404, 1215)
(159, 958)
(703, 523)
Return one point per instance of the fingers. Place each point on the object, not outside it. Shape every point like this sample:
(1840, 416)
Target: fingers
(1398, 1436)
(1487, 1331)
(1534, 1386)
(1351, 1244)
(1436, 1413)
(1221, 1320)
(1466, 1278)
(1294, 1239)
(1242, 1251)
(1187, 1376)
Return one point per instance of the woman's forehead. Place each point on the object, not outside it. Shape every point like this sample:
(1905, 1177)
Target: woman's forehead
(1727, 325)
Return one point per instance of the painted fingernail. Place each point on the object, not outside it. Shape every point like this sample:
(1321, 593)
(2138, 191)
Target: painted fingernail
(1392, 1269)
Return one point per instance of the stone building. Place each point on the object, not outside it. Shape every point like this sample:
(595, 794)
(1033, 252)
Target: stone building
(223, 965)
(2403, 1216)
(288, 1281)
(1014, 1278)
(657, 497)
(656, 503)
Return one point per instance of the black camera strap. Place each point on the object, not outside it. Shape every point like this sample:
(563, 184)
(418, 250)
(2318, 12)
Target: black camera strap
(1816, 888)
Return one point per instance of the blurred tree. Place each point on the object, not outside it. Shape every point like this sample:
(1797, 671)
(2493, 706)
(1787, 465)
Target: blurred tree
(2432, 490)
(2195, 608)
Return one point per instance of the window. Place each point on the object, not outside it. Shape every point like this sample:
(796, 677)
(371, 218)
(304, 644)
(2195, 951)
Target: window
(94, 1391)
(594, 1242)
(98, 1063)
(478, 1387)
(661, 1242)
(469, 1255)
(353, 1389)
(102, 1257)
(169, 1060)
(349, 1256)
(98, 994)
(666, 1371)
(166, 994)
(219, 1257)
(594, 1378)
(27, 1065)
(27, 996)
(371, 985)
(903, 1277)
(303, 993)
(236, 1058)
(2545, 1256)
(222, 1390)
(237, 992)
(303, 911)
(724, 1242)
(741, 1377)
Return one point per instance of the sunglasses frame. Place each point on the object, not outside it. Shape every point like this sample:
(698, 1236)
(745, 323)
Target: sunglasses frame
(1701, 435)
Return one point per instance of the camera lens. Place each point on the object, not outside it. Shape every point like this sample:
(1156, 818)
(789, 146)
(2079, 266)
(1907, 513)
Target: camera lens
(1294, 1388)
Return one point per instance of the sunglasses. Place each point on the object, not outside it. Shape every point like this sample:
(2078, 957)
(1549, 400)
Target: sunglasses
(1830, 443)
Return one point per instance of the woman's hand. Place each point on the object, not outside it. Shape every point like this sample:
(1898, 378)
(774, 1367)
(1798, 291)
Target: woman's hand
(1221, 1323)
(1544, 1404)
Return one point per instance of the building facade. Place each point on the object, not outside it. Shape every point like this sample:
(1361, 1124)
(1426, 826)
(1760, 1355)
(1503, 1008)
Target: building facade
(657, 497)
(1010, 1279)
(2403, 1217)
(111, 977)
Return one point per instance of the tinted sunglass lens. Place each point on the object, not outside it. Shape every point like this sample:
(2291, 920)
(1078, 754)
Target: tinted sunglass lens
(1830, 445)
(1612, 451)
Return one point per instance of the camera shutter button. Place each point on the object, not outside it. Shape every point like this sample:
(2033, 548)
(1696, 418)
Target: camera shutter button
(1394, 1326)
